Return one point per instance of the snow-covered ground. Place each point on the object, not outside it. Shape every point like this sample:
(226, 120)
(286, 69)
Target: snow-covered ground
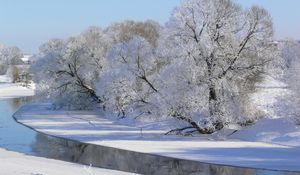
(11, 90)
(280, 131)
(19, 164)
(5, 79)
(271, 143)
(90, 127)
(268, 94)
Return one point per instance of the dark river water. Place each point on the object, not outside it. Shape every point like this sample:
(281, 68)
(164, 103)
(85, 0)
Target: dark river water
(18, 138)
(13, 136)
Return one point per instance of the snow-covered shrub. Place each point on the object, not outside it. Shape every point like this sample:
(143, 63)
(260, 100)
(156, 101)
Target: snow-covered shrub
(290, 103)
(67, 69)
(9, 56)
(128, 81)
(3, 69)
(15, 74)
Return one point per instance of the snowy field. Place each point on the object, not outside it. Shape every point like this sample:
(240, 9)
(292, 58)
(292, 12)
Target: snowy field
(11, 90)
(19, 164)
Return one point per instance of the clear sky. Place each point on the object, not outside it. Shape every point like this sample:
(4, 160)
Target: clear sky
(29, 23)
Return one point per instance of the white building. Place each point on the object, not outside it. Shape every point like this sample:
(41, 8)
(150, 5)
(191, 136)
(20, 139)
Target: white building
(26, 59)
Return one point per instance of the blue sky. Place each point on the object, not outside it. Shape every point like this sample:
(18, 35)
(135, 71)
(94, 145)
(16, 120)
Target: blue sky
(28, 23)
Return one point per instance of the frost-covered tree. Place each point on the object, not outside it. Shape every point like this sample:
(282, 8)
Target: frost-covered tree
(125, 31)
(212, 47)
(290, 102)
(128, 81)
(10, 55)
(200, 69)
(67, 69)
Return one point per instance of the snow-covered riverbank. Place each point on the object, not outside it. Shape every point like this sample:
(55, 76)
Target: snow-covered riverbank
(16, 163)
(12, 90)
(90, 127)
(13, 163)
(270, 143)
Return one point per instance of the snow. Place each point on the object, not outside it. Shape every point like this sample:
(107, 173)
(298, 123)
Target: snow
(267, 96)
(281, 131)
(26, 58)
(90, 127)
(13, 163)
(274, 128)
(271, 143)
(12, 90)
(5, 79)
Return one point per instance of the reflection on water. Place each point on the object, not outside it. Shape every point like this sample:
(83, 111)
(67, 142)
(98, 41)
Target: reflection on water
(14, 136)
(15, 103)
(129, 161)
(18, 138)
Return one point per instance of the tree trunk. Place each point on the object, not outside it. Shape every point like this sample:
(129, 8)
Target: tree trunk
(212, 100)
(213, 107)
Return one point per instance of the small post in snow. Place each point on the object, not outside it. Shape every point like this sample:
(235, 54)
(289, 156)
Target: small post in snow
(141, 130)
